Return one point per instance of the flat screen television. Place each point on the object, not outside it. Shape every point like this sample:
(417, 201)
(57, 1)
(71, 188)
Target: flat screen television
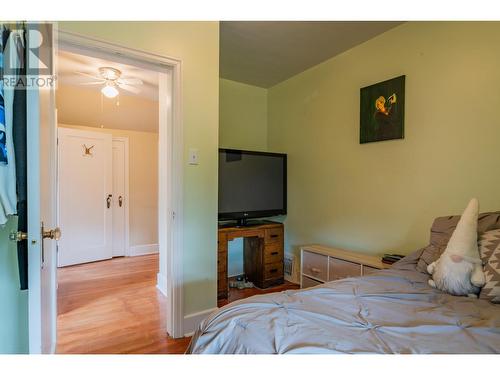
(251, 185)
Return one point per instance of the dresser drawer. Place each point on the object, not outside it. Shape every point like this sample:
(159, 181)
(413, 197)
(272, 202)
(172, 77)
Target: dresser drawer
(273, 235)
(308, 283)
(340, 269)
(369, 270)
(273, 253)
(315, 265)
(273, 270)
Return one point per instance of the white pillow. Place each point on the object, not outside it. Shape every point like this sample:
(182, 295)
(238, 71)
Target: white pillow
(459, 270)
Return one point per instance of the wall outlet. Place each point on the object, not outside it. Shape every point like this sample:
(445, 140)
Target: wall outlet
(193, 156)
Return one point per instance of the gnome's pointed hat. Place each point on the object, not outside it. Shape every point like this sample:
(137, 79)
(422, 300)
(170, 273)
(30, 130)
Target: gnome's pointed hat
(463, 241)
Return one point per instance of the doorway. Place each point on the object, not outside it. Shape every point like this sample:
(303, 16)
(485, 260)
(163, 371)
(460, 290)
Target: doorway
(42, 296)
(103, 139)
(42, 158)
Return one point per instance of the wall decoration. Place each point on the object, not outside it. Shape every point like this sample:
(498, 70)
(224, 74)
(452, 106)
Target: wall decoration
(382, 111)
(88, 150)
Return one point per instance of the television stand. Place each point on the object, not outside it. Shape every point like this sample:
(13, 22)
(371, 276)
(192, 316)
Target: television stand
(263, 252)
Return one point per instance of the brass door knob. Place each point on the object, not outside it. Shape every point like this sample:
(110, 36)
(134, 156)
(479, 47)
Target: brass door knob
(18, 236)
(53, 234)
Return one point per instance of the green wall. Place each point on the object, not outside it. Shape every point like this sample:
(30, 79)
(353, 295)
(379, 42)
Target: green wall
(382, 197)
(242, 116)
(14, 303)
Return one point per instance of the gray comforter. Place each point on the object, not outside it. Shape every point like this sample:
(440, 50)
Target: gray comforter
(392, 311)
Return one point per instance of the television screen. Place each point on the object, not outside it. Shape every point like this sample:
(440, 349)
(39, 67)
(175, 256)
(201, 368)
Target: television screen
(251, 184)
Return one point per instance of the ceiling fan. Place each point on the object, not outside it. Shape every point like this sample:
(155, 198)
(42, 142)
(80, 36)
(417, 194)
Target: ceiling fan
(111, 79)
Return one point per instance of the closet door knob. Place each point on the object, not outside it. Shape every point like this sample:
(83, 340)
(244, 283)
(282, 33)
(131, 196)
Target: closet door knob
(18, 236)
(120, 201)
(108, 200)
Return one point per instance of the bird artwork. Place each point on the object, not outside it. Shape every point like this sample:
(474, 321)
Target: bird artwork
(382, 111)
(88, 150)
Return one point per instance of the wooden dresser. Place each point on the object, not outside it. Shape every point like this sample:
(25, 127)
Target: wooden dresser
(262, 254)
(319, 264)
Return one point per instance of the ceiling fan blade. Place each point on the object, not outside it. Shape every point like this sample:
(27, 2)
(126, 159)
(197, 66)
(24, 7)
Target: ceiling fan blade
(92, 83)
(130, 81)
(88, 75)
(130, 88)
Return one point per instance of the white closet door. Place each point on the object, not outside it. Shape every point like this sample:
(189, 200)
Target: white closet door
(119, 197)
(85, 187)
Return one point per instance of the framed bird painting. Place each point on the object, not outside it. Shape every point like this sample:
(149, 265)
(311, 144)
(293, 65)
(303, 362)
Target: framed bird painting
(382, 111)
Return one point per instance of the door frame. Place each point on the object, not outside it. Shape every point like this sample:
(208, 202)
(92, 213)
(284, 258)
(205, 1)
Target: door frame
(171, 188)
(125, 141)
(42, 282)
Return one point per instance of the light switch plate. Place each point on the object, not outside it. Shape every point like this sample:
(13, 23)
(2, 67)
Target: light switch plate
(193, 156)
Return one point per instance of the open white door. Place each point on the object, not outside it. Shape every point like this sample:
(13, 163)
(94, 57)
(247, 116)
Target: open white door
(42, 252)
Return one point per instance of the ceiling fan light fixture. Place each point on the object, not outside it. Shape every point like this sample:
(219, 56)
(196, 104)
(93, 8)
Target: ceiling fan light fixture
(109, 91)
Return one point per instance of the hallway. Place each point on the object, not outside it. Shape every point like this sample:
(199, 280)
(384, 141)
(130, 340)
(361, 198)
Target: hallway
(113, 306)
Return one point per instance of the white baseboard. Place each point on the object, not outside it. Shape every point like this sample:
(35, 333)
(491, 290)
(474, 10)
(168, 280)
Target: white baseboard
(161, 283)
(192, 321)
(143, 249)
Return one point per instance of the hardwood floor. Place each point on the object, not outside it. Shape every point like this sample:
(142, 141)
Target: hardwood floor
(236, 294)
(113, 307)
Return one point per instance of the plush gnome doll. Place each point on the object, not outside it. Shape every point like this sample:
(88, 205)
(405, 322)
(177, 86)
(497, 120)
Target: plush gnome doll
(459, 270)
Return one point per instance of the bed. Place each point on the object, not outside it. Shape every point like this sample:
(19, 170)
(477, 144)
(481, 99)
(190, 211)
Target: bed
(390, 311)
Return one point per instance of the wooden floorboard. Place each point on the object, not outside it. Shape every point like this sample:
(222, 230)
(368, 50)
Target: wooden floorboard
(237, 294)
(114, 307)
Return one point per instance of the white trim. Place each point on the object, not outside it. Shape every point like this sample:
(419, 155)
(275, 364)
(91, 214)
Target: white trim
(161, 283)
(139, 250)
(174, 153)
(86, 45)
(41, 190)
(173, 208)
(192, 321)
(127, 192)
(175, 271)
(34, 197)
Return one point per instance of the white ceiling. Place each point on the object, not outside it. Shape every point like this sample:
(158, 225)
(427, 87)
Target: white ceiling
(70, 63)
(264, 53)
(85, 106)
(79, 104)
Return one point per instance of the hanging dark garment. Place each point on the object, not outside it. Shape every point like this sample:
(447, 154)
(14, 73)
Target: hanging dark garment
(3, 131)
(19, 130)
